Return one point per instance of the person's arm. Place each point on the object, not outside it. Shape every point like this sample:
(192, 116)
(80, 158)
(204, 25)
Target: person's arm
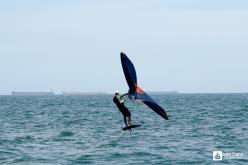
(122, 96)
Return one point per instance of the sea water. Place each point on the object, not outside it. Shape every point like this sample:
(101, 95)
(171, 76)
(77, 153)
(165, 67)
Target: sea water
(88, 130)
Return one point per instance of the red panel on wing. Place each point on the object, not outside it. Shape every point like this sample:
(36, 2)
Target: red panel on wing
(139, 90)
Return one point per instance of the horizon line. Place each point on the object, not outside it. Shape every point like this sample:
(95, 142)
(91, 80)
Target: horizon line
(109, 93)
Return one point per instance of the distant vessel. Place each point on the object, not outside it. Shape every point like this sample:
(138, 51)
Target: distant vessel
(32, 93)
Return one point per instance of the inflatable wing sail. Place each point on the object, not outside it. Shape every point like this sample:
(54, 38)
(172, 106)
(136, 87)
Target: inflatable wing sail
(135, 93)
(129, 72)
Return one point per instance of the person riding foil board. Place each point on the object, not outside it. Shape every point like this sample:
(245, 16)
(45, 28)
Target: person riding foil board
(119, 101)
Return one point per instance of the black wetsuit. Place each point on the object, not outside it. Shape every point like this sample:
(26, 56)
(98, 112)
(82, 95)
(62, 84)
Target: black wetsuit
(123, 109)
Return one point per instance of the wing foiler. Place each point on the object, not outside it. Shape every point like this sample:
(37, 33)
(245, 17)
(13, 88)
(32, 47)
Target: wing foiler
(135, 93)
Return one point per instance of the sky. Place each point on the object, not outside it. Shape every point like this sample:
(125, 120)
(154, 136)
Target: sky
(189, 46)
